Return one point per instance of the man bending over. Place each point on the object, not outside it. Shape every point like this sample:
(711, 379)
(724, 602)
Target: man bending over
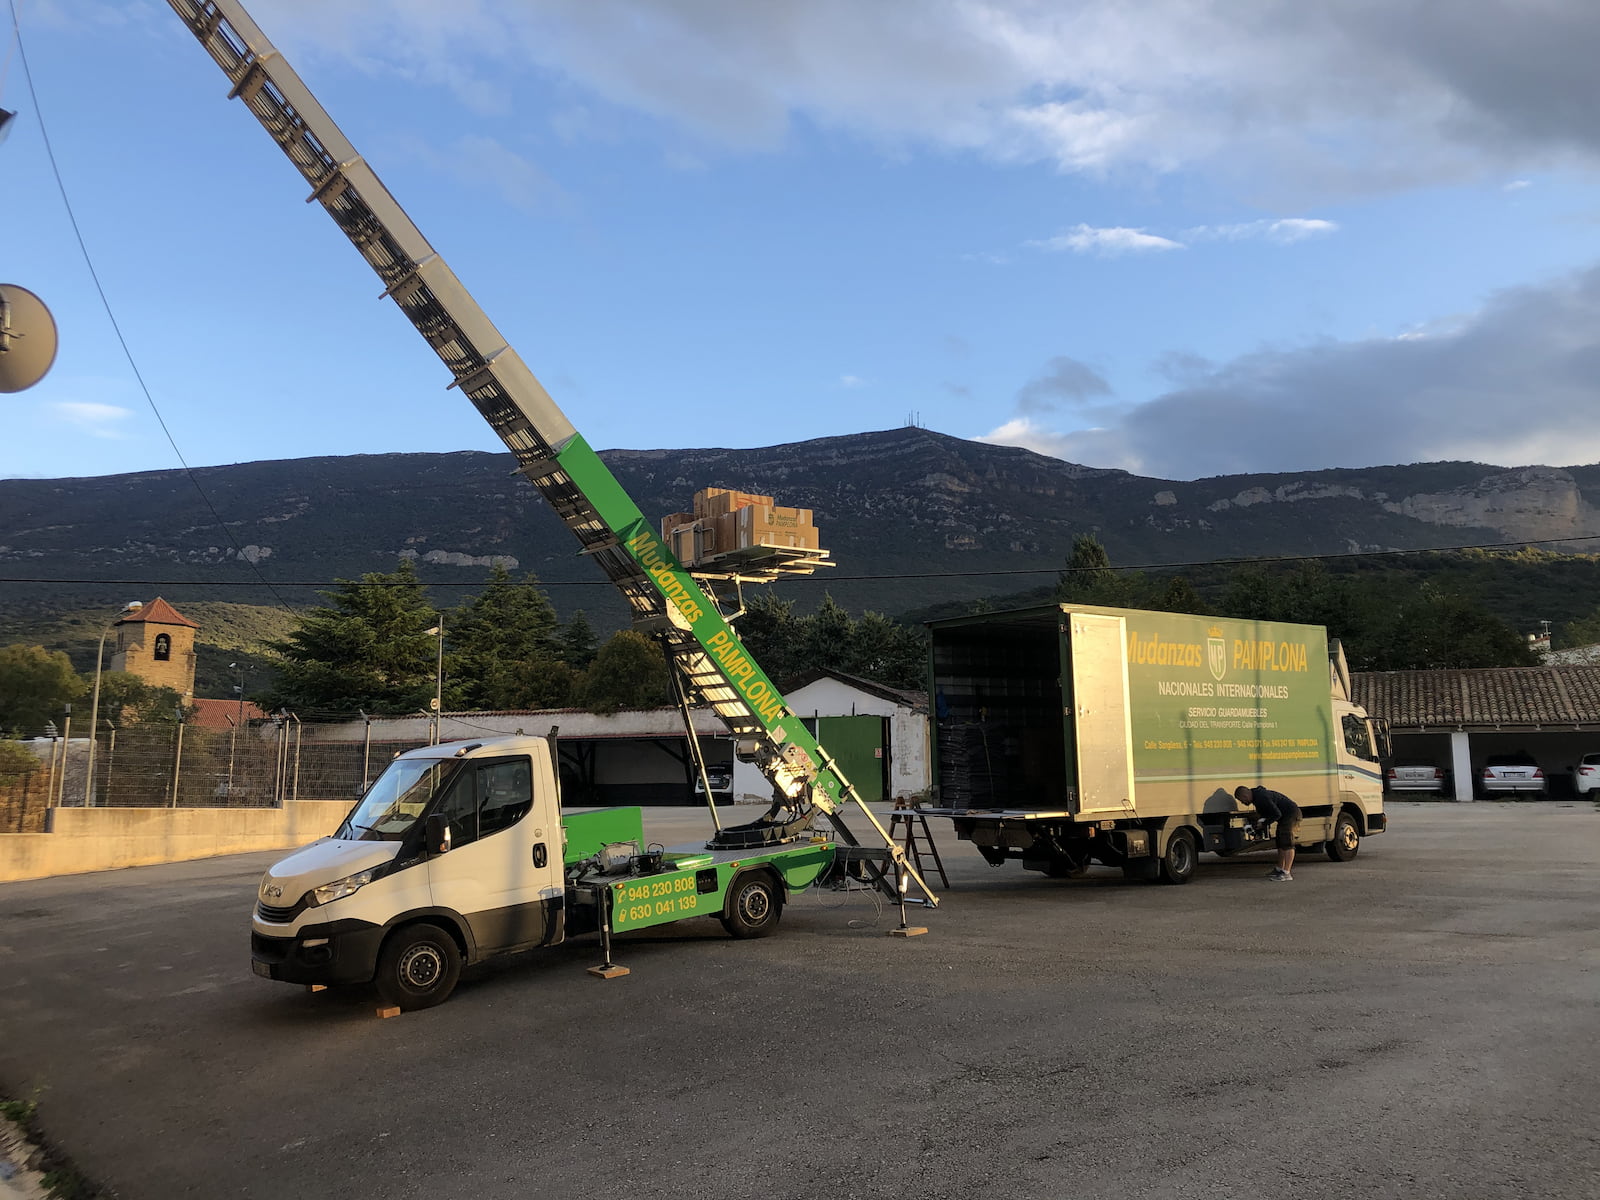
(1274, 806)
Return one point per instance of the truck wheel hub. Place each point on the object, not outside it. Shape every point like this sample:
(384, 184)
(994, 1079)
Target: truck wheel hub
(421, 967)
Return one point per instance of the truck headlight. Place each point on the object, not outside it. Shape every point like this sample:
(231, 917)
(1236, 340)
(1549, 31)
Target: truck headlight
(340, 888)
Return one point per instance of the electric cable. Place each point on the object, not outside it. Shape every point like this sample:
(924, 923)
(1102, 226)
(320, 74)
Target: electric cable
(105, 302)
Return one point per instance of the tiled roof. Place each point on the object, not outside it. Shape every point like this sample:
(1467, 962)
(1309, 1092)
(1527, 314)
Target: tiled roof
(1515, 697)
(158, 612)
(215, 714)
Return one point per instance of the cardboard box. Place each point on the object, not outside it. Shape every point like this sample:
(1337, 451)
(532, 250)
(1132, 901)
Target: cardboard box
(713, 502)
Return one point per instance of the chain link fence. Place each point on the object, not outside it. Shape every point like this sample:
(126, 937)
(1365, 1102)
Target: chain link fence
(168, 765)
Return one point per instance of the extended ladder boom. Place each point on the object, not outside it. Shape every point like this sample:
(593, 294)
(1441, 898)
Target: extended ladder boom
(700, 645)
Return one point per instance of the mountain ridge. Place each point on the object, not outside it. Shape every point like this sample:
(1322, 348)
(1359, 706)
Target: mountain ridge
(890, 502)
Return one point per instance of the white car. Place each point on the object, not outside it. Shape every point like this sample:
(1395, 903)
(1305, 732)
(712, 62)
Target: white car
(1586, 778)
(1417, 775)
(1512, 774)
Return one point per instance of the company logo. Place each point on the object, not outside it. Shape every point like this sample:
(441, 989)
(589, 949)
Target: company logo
(271, 891)
(1216, 652)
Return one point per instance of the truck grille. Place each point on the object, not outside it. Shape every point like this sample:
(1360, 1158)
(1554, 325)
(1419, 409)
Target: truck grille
(279, 916)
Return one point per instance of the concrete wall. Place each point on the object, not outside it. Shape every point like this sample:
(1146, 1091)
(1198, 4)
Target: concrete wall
(103, 839)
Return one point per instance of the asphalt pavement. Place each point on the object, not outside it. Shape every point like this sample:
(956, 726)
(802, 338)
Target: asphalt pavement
(1418, 1023)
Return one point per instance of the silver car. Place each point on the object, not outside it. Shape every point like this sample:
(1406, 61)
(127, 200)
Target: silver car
(1512, 774)
(1417, 775)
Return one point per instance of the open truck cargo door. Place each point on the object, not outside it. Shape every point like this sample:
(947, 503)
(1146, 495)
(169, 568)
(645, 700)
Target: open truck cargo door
(1096, 713)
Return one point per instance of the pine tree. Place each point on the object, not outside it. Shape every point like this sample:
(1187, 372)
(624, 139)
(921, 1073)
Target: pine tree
(630, 671)
(576, 643)
(367, 650)
(502, 648)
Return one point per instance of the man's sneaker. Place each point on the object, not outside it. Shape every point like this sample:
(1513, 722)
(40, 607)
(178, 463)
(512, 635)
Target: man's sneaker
(1281, 877)
(1275, 873)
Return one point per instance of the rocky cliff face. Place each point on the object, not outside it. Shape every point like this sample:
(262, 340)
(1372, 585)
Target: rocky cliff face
(951, 519)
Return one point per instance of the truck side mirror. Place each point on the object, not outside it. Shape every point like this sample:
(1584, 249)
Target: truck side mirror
(436, 832)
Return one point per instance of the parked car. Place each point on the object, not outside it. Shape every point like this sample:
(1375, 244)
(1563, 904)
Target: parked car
(1505, 774)
(1417, 775)
(1586, 778)
(721, 785)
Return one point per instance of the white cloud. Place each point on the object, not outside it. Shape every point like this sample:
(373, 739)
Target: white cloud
(1284, 230)
(477, 160)
(851, 381)
(1511, 384)
(1516, 185)
(1106, 242)
(1355, 93)
(97, 420)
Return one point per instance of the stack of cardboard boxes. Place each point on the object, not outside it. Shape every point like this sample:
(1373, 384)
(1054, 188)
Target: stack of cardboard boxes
(725, 521)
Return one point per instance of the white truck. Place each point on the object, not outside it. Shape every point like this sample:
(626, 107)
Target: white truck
(419, 900)
(1070, 734)
(462, 851)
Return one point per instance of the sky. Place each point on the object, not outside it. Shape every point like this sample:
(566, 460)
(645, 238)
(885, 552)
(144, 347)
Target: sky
(1180, 237)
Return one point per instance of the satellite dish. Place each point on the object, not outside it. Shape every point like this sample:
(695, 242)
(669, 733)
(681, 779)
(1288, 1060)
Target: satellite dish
(27, 338)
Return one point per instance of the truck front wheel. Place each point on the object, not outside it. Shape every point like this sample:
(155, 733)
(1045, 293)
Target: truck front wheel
(1178, 863)
(418, 968)
(754, 906)
(1345, 843)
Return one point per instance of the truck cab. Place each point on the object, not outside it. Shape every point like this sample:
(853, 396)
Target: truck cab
(453, 854)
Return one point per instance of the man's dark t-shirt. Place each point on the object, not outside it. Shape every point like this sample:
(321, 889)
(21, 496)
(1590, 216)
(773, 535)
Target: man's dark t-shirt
(1275, 806)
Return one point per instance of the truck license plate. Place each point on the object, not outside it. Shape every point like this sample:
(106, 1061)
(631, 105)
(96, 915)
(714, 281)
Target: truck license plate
(261, 969)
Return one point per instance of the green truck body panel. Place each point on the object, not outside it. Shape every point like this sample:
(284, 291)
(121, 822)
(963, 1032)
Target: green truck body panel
(589, 829)
(1036, 708)
(694, 890)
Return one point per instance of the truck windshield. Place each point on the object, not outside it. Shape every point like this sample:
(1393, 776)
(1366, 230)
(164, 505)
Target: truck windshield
(396, 801)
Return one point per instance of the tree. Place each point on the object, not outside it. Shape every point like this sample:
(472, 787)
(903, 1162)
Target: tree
(822, 639)
(888, 652)
(629, 671)
(126, 697)
(16, 761)
(368, 649)
(1179, 596)
(502, 648)
(576, 644)
(1089, 579)
(769, 630)
(35, 684)
(1585, 631)
(1437, 630)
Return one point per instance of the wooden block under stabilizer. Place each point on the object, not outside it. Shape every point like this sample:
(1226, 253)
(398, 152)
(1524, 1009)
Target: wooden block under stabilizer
(316, 987)
(389, 1011)
(609, 971)
(909, 931)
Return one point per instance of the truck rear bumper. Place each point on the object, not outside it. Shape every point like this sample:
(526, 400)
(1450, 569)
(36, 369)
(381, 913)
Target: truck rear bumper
(336, 953)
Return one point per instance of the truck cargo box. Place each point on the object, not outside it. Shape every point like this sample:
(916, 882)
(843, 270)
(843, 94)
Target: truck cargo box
(1099, 712)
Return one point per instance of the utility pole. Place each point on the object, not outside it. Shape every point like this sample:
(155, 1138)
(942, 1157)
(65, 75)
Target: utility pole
(132, 606)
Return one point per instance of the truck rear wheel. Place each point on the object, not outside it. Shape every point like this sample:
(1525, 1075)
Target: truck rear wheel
(418, 968)
(1178, 863)
(755, 905)
(1345, 843)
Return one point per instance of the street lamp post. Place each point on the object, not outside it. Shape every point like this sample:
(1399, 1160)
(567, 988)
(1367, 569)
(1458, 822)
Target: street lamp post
(132, 606)
(438, 680)
(233, 737)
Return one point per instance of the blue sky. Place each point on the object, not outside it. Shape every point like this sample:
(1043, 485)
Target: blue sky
(1179, 237)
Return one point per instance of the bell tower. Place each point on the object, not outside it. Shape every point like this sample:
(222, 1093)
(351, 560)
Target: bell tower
(157, 644)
